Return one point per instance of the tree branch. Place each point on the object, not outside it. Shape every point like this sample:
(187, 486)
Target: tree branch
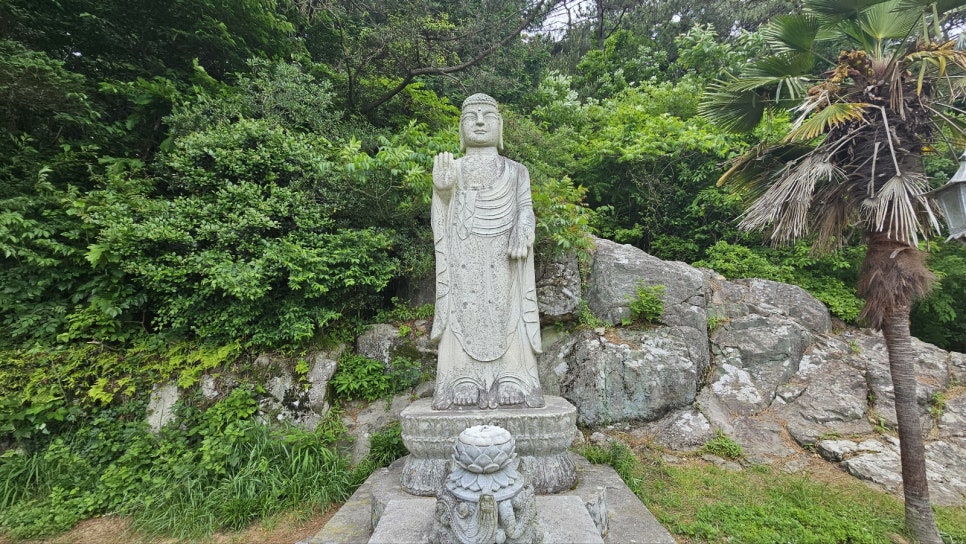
(447, 70)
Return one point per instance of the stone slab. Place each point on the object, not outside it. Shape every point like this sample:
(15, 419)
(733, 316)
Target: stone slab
(561, 519)
(542, 436)
(626, 520)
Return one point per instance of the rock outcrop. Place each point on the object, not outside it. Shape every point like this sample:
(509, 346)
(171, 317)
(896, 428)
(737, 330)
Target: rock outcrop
(756, 360)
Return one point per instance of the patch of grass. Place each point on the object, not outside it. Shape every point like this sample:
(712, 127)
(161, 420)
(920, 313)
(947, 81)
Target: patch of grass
(722, 446)
(699, 502)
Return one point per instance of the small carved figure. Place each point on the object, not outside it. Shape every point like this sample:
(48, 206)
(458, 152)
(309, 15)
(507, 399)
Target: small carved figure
(487, 321)
(485, 499)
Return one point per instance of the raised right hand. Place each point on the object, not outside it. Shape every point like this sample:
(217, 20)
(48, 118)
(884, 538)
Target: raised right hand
(444, 171)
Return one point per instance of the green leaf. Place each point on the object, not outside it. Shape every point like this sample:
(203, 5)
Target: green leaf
(823, 121)
(792, 33)
(735, 109)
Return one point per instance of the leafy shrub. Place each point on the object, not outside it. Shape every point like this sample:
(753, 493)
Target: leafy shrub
(359, 377)
(830, 278)
(246, 247)
(386, 445)
(211, 469)
(648, 305)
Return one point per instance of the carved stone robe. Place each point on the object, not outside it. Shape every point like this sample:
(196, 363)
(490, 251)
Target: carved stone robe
(487, 321)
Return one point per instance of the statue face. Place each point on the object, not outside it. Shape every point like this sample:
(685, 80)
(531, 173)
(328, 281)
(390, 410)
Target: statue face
(480, 126)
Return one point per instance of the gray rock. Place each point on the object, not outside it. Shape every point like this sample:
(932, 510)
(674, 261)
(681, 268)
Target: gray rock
(944, 468)
(755, 355)
(634, 375)
(762, 440)
(681, 430)
(616, 271)
(840, 450)
(558, 287)
(767, 297)
(371, 418)
(161, 405)
(957, 367)
(555, 361)
(379, 342)
(881, 468)
(952, 423)
(932, 376)
(322, 367)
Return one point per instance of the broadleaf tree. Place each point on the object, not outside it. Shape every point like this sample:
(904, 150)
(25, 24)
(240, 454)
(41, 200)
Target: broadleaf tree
(852, 163)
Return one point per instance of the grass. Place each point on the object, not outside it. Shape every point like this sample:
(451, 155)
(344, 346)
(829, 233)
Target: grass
(699, 502)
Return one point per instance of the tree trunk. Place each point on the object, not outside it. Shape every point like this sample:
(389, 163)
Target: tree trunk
(920, 522)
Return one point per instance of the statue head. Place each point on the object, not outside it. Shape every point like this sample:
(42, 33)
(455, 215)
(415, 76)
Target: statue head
(481, 124)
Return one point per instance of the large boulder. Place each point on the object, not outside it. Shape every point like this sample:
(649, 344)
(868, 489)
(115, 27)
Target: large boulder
(618, 269)
(754, 296)
(754, 355)
(633, 375)
(558, 287)
(827, 396)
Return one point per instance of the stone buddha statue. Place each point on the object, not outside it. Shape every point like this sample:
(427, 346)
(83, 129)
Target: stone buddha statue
(487, 323)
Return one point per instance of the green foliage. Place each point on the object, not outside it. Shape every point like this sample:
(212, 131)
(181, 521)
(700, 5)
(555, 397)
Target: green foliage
(213, 469)
(939, 318)
(247, 248)
(43, 413)
(722, 446)
(400, 311)
(359, 377)
(586, 317)
(829, 278)
(386, 445)
(648, 304)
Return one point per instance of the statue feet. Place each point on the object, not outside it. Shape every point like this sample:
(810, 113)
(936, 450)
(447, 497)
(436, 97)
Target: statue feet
(510, 394)
(466, 394)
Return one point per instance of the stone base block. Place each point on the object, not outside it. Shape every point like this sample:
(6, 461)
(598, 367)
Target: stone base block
(542, 437)
(381, 511)
(560, 518)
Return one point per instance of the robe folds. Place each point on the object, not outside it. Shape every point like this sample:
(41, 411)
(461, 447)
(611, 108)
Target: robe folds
(487, 322)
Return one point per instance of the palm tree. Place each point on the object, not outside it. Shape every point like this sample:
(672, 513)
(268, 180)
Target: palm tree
(851, 162)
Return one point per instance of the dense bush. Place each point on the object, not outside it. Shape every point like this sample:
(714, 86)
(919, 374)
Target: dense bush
(212, 469)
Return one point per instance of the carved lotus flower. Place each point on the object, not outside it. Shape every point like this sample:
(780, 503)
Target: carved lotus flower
(485, 464)
(484, 449)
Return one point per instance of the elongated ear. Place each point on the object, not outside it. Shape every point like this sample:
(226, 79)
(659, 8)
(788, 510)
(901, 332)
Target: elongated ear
(462, 143)
(499, 146)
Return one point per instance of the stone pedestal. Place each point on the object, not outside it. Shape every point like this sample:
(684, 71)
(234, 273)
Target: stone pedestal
(542, 437)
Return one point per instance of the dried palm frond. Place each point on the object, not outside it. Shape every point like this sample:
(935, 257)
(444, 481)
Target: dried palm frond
(895, 208)
(784, 207)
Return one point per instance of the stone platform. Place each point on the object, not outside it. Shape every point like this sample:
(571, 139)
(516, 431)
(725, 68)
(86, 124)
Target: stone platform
(542, 437)
(601, 508)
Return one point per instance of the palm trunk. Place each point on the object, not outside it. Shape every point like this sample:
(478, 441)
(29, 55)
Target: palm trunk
(920, 522)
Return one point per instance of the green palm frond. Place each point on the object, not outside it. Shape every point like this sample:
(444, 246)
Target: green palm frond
(886, 21)
(837, 10)
(792, 33)
(782, 65)
(814, 125)
(789, 73)
(750, 174)
(733, 108)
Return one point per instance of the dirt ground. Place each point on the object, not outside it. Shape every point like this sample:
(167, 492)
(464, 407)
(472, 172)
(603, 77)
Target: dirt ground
(116, 530)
